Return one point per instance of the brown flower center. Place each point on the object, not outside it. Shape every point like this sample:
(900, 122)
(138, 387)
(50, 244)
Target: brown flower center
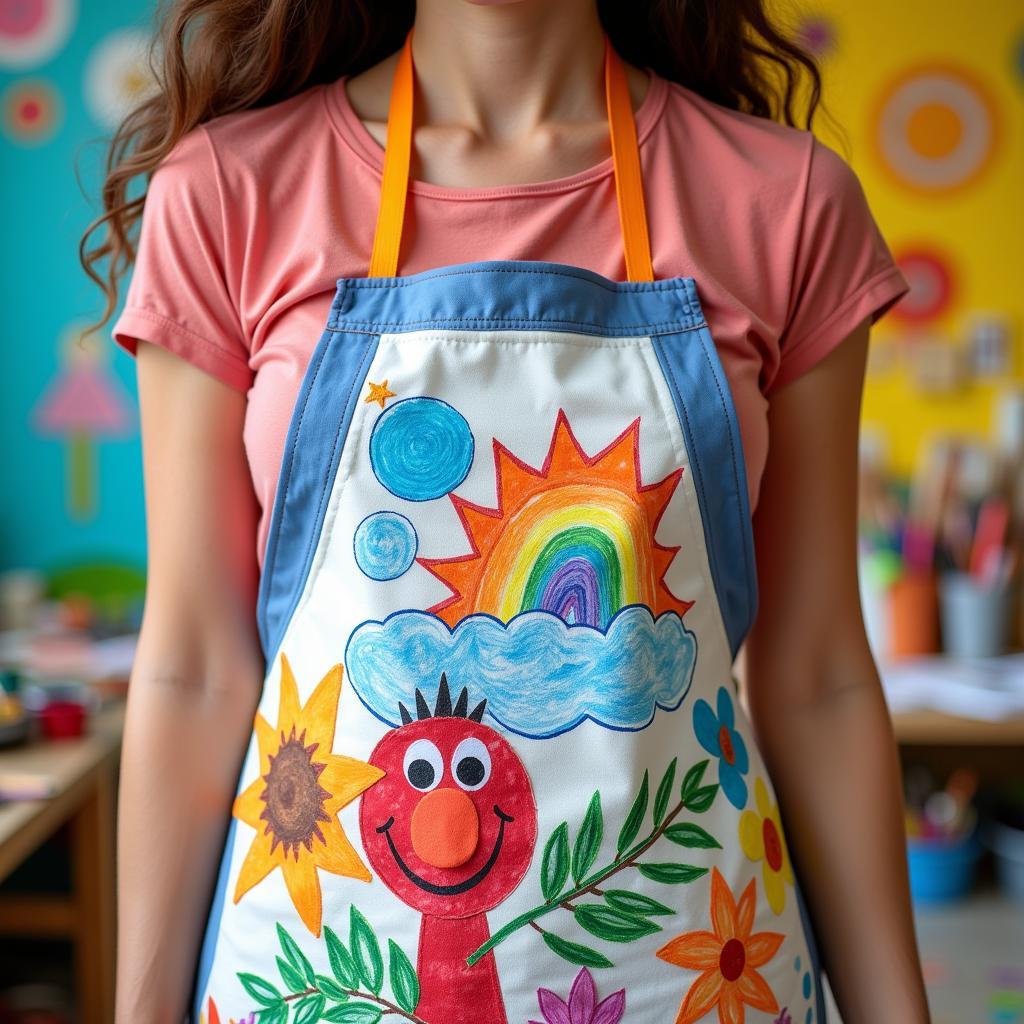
(294, 799)
(732, 959)
(772, 845)
(725, 742)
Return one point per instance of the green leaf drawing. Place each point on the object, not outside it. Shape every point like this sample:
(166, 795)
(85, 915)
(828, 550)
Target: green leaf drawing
(275, 1014)
(588, 841)
(262, 991)
(613, 925)
(360, 966)
(691, 780)
(366, 951)
(354, 1013)
(700, 799)
(636, 903)
(554, 868)
(295, 955)
(404, 983)
(331, 988)
(293, 981)
(664, 793)
(581, 956)
(342, 964)
(671, 874)
(631, 826)
(309, 1010)
(685, 833)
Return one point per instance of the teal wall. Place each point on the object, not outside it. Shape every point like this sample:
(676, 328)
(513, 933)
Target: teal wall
(44, 292)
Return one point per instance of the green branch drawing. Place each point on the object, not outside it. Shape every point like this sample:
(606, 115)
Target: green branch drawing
(355, 990)
(622, 915)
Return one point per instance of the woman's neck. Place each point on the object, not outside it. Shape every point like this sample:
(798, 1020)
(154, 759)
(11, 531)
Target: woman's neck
(501, 70)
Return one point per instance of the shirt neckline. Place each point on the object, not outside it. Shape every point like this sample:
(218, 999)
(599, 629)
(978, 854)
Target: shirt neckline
(357, 137)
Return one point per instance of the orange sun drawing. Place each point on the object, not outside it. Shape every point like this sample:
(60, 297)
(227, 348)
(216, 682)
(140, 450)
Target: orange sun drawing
(574, 537)
(294, 803)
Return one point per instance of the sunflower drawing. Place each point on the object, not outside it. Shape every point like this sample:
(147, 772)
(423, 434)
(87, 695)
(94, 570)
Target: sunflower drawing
(294, 803)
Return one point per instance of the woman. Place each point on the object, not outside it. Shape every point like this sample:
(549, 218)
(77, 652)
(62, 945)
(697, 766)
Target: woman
(371, 871)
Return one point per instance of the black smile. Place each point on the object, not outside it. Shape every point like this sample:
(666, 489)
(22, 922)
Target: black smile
(460, 887)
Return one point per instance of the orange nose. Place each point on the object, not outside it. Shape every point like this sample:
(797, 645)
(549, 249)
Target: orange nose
(445, 828)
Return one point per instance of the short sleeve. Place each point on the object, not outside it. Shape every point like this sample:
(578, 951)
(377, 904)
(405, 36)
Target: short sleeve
(843, 269)
(178, 296)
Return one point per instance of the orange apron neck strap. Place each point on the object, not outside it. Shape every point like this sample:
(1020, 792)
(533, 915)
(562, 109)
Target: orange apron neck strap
(625, 159)
(629, 183)
(395, 181)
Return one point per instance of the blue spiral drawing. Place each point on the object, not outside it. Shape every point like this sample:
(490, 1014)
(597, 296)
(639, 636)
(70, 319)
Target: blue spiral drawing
(385, 545)
(421, 448)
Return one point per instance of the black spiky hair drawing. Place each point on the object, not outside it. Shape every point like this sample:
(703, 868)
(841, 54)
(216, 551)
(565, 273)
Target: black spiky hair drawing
(443, 705)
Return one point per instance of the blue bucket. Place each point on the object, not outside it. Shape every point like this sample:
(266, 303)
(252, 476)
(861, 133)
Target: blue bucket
(942, 870)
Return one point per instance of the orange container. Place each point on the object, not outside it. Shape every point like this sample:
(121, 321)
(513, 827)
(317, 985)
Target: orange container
(913, 615)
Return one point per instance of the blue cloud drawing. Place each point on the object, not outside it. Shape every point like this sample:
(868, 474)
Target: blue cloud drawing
(540, 675)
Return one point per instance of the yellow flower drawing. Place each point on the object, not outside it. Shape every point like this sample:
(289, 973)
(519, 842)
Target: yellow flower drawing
(762, 839)
(294, 803)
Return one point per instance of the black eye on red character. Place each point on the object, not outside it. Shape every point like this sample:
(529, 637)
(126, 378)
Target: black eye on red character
(470, 765)
(452, 825)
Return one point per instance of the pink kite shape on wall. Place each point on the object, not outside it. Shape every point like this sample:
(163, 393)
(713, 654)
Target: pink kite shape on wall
(84, 402)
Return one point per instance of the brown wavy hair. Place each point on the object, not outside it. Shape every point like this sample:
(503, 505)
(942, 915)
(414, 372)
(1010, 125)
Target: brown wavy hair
(219, 56)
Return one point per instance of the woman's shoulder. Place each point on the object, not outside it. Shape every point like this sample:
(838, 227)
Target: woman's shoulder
(749, 151)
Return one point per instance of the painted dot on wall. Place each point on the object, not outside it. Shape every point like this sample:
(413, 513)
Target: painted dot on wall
(32, 31)
(929, 272)
(936, 128)
(817, 34)
(421, 448)
(117, 76)
(385, 545)
(32, 111)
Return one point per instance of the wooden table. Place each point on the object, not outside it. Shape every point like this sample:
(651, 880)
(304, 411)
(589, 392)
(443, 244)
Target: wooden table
(84, 772)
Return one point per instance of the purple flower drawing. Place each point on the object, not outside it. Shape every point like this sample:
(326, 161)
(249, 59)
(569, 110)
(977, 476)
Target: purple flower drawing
(582, 1006)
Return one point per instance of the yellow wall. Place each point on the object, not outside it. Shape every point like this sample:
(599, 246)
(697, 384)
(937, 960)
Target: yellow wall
(980, 225)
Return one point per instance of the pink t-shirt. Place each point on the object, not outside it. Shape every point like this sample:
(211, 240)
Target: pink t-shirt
(254, 215)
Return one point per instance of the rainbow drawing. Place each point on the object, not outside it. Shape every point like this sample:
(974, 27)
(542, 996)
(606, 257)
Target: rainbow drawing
(574, 537)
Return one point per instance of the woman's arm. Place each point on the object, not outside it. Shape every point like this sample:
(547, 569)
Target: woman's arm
(816, 702)
(195, 682)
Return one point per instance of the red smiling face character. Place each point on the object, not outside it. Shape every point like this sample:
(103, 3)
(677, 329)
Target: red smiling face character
(451, 827)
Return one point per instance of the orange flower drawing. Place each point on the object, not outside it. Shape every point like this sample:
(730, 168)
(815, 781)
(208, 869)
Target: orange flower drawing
(294, 803)
(727, 958)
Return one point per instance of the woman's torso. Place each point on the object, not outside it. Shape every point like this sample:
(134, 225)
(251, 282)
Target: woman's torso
(303, 215)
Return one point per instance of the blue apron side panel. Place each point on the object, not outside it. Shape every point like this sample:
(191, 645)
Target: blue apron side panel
(213, 924)
(815, 973)
(316, 437)
(707, 416)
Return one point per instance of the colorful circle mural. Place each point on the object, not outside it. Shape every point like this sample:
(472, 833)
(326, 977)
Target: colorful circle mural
(385, 545)
(937, 128)
(32, 31)
(117, 76)
(931, 278)
(421, 448)
(32, 111)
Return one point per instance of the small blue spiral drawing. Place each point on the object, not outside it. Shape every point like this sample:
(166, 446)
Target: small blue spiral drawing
(421, 448)
(385, 545)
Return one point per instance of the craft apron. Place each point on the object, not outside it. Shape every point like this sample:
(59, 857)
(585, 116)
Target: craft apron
(499, 771)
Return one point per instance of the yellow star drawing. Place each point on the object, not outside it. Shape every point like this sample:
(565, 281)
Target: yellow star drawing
(379, 393)
(293, 804)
